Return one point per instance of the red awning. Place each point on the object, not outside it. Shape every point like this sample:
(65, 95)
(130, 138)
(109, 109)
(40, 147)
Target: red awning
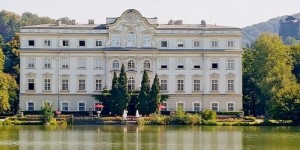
(99, 106)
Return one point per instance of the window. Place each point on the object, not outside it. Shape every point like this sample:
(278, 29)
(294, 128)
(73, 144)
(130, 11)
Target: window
(180, 64)
(196, 85)
(47, 63)
(131, 83)
(215, 65)
(196, 64)
(47, 84)
(164, 44)
(163, 85)
(65, 106)
(180, 86)
(97, 63)
(30, 42)
(197, 106)
(30, 106)
(81, 63)
(115, 64)
(115, 40)
(180, 43)
(180, 106)
(30, 63)
(81, 85)
(65, 42)
(146, 40)
(214, 85)
(65, 85)
(164, 64)
(197, 44)
(166, 106)
(81, 43)
(230, 85)
(98, 43)
(230, 44)
(30, 83)
(230, 64)
(81, 106)
(214, 43)
(215, 106)
(230, 106)
(47, 43)
(64, 63)
(131, 39)
(98, 85)
(131, 64)
(147, 64)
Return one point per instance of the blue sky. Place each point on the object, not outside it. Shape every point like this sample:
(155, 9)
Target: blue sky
(237, 13)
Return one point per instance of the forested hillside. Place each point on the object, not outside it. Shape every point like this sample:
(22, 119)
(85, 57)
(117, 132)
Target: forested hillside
(251, 33)
(11, 22)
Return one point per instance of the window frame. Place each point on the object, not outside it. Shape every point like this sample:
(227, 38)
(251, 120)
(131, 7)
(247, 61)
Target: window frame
(65, 43)
(183, 105)
(98, 85)
(131, 64)
(47, 63)
(214, 44)
(78, 106)
(230, 43)
(31, 43)
(65, 86)
(147, 65)
(146, 40)
(116, 64)
(196, 86)
(197, 106)
(81, 43)
(65, 63)
(180, 84)
(116, 40)
(98, 43)
(27, 106)
(81, 63)
(214, 85)
(233, 106)
(30, 84)
(47, 84)
(164, 62)
(230, 64)
(164, 44)
(211, 106)
(131, 84)
(68, 105)
(164, 85)
(30, 63)
(47, 43)
(81, 84)
(230, 85)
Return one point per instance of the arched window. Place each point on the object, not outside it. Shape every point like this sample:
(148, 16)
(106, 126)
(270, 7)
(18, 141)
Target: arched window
(131, 83)
(115, 64)
(131, 39)
(147, 64)
(131, 64)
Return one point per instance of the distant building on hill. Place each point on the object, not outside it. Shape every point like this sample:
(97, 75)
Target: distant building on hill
(290, 27)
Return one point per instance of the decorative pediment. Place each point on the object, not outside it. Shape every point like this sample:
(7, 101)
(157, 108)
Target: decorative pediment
(99, 75)
(30, 75)
(65, 75)
(47, 75)
(163, 76)
(230, 75)
(214, 75)
(81, 75)
(197, 75)
(180, 75)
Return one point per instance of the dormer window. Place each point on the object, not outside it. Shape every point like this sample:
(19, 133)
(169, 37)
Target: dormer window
(180, 43)
(164, 44)
(131, 39)
(147, 40)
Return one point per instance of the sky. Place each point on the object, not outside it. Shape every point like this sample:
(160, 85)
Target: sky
(235, 13)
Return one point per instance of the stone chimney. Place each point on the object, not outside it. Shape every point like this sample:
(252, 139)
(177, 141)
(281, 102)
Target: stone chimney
(91, 21)
(203, 23)
(73, 22)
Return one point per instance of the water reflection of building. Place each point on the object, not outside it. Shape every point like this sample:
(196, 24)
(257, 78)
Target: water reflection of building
(132, 138)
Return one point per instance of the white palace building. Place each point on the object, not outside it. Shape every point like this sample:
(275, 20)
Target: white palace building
(199, 65)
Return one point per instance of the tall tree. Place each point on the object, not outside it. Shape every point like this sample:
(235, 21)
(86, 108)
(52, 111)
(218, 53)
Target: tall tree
(252, 102)
(272, 67)
(122, 96)
(114, 92)
(154, 95)
(143, 101)
(12, 62)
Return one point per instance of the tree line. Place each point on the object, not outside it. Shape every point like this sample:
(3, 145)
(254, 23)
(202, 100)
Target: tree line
(117, 99)
(271, 76)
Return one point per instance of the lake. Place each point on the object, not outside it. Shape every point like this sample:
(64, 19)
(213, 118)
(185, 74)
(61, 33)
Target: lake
(112, 137)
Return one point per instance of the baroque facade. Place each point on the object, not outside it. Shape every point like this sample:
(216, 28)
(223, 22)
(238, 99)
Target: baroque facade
(199, 65)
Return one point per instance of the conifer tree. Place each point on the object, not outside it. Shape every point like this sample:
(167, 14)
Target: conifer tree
(122, 96)
(113, 93)
(154, 95)
(143, 101)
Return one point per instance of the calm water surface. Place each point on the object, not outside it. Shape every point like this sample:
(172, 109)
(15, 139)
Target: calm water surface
(148, 137)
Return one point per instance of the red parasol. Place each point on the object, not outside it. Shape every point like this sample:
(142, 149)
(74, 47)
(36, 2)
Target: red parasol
(160, 106)
(99, 106)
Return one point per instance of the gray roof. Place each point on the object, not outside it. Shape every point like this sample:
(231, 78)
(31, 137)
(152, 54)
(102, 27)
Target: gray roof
(103, 26)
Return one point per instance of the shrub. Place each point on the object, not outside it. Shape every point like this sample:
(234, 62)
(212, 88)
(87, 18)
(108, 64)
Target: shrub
(229, 113)
(47, 114)
(160, 120)
(249, 118)
(209, 122)
(209, 115)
